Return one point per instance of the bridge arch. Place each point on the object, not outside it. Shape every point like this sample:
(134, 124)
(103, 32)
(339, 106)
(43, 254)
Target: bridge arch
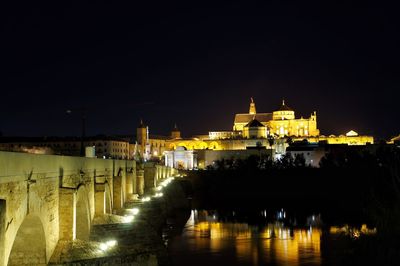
(172, 146)
(82, 221)
(213, 145)
(29, 246)
(202, 145)
(183, 144)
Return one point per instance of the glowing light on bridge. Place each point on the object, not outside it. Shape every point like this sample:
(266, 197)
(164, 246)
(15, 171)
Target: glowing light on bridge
(107, 245)
(134, 211)
(128, 219)
(146, 199)
(166, 182)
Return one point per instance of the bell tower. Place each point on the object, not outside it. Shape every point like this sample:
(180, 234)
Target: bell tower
(142, 137)
(252, 109)
(175, 133)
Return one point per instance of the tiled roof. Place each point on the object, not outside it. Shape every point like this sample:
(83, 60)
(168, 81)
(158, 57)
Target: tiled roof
(246, 118)
(254, 123)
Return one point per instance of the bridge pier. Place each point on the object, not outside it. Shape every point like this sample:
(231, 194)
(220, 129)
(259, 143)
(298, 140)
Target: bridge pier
(150, 176)
(67, 213)
(117, 192)
(130, 183)
(140, 182)
(100, 199)
(2, 230)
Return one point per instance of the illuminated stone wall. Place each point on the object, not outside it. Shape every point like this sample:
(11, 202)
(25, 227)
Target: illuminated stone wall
(295, 127)
(341, 139)
(208, 157)
(282, 123)
(220, 144)
(44, 189)
(254, 132)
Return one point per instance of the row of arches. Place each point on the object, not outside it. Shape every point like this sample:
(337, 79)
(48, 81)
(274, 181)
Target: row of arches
(29, 243)
(195, 145)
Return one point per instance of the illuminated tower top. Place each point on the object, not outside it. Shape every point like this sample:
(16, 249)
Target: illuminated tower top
(175, 133)
(252, 109)
(142, 133)
(141, 125)
(283, 113)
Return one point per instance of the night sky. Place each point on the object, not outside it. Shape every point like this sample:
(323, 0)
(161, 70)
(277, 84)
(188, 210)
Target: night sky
(197, 65)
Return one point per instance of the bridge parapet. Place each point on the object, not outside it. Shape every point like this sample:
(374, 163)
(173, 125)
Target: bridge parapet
(45, 198)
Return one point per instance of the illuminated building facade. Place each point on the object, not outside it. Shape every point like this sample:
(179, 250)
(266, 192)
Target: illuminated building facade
(281, 122)
(103, 146)
(257, 129)
(272, 131)
(181, 158)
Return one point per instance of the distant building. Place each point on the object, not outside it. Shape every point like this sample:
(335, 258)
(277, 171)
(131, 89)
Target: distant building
(311, 152)
(273, 131)
(104, 147)
(181, 158)
(281, 122)
(395, 141)
(206, 158)
(151, 146)
(266, 129)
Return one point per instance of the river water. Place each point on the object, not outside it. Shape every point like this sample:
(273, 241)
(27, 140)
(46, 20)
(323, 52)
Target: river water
(211, 238)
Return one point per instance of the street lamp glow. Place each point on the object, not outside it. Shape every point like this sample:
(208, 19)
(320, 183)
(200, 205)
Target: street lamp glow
(111, 243)
(128, 219)
(134, 211)
(145, 199)
(103, 246)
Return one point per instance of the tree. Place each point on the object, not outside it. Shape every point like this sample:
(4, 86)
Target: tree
(299, 161)
(271, 141)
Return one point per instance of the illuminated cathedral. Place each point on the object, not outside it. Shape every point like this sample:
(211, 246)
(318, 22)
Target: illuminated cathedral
(279, 123)
(250, 130)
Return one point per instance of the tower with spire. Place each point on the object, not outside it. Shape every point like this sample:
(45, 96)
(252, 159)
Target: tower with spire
(252, 109)
(142, 137)
(175, 133)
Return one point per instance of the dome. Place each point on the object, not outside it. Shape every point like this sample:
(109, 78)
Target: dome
(284, 113)
(284, 107)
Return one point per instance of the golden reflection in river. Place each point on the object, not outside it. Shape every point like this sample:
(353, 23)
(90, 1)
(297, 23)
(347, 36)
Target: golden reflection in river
(273, 243)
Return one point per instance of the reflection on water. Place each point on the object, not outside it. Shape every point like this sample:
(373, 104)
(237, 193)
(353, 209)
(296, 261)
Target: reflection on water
(206, 240)
(351, 231)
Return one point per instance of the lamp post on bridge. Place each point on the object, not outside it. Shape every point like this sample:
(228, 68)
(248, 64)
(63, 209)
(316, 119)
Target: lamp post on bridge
(83, 127)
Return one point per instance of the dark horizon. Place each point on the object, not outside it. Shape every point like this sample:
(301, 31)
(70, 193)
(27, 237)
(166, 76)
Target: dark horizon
(197, 66)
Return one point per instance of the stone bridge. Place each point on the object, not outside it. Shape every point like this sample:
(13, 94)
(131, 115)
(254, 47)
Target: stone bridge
(45, 199)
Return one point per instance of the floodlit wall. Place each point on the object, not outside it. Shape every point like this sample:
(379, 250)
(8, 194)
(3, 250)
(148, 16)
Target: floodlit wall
(55, 192)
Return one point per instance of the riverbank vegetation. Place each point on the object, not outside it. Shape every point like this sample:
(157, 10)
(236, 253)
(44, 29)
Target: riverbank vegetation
(350, 187)
(353, 184)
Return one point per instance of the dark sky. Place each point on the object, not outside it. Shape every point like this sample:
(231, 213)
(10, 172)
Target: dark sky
(197, 65)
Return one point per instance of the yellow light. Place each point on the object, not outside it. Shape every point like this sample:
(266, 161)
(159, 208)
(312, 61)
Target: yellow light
(111, 243)
(103, 246)
(134, 211)
(128, 219)
(145, 199)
